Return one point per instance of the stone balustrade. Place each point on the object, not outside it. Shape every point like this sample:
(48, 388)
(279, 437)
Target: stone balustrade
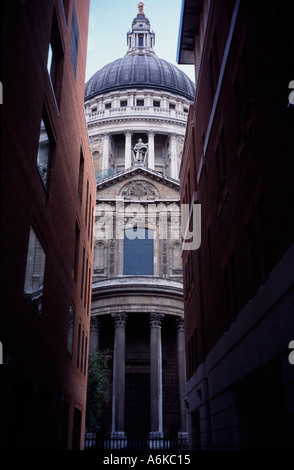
(136, 111)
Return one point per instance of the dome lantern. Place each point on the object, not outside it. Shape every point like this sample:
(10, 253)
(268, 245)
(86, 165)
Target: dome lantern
(141, 40)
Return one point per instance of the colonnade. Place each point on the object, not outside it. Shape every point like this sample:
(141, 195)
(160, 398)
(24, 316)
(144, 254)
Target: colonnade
(156, 390)
(173, 170)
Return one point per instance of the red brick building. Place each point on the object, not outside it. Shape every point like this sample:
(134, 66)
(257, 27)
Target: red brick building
(238, 164)
(47, 201)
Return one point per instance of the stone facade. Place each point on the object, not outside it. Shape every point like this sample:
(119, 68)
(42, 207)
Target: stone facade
(136, 137)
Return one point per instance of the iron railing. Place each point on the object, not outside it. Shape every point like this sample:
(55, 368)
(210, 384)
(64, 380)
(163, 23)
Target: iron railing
(92, 442)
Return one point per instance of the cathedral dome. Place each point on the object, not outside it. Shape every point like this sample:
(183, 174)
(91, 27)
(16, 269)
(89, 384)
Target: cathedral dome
(140, 71)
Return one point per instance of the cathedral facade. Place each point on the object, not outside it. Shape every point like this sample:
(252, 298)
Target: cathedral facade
(136, 111)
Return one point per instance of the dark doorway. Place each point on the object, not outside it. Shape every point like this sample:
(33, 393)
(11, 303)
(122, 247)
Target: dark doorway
(137, 406)
(76, 436)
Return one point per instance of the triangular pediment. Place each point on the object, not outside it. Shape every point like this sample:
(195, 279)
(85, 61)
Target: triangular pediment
(138, 183)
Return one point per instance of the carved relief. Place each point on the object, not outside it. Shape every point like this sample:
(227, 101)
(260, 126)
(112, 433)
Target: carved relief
(100, 253)
(164, 257)
(111, 257)
(139, 190)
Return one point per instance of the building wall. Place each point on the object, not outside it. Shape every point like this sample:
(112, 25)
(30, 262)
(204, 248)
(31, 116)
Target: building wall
(139, 296)
(137, 284)
(44, 388)
(111, 123)
(237, 163)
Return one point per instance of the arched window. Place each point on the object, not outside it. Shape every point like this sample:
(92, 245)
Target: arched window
(138, 252)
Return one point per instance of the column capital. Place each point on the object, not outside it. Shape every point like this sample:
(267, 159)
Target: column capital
(128, 132)
(94, 323)
(120, 319)
(180, 326)
(155, 319)
(151, 132)
(173, 135)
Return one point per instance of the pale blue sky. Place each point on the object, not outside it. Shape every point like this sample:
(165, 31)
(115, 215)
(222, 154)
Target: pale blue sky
(110, 20)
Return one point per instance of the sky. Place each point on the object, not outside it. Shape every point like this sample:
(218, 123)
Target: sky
(110, 20)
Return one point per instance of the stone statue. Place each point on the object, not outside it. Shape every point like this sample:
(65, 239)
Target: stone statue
(140, 152)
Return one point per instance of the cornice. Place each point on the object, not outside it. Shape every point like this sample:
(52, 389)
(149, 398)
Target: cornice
(152, 119)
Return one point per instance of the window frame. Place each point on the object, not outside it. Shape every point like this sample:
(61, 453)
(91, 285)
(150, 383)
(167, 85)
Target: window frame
(133, 269)
(51, 146)
(40, 258)
(74, 39)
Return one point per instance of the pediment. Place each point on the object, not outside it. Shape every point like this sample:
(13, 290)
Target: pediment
(138, 183)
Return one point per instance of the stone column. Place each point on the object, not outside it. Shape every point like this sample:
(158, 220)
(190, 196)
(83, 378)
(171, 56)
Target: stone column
(151, 150)
(94, 335)
(118, 386)
(182, 433)
(128, 149)
(173, 171)
(106, 151)
(156, 418)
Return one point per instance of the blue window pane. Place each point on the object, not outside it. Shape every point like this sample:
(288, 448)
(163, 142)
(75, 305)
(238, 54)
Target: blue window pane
(138, 252)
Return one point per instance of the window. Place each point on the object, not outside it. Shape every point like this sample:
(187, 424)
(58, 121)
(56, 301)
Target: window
(140, 102)
(86, 282)
(87, 204)
(138, 252)
(70, 337)
(76, 250)
(55, 55)
(172, 106)
(82, 351)
(83, 269)
(141, 40)
(81, 177)
(156, 104)
(35, 270)
(123, 103)
(49, 60)
(86, 355)
(89, 291)
(107, 105)
(44, 152)
(74, 39)
(90, 216)
(79, 346)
